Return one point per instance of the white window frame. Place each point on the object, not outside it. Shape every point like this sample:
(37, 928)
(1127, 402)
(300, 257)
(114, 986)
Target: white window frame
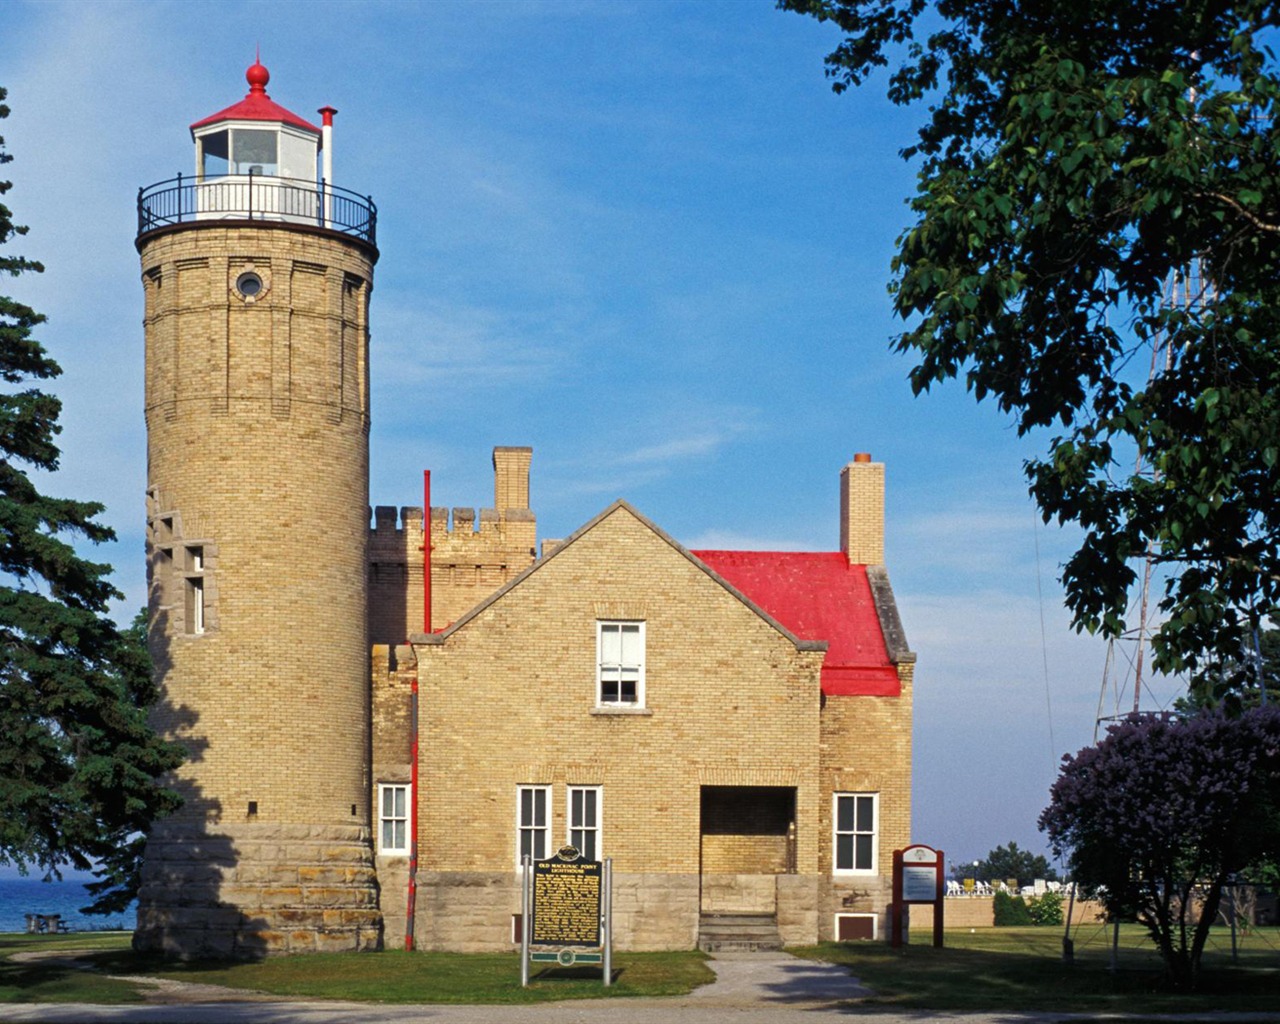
(393, 849)
(571, 826)
(855, 832)
(195, 590)
(532, 828)
(616, 669)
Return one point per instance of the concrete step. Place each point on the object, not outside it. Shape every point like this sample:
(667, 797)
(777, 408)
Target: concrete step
(738, 932)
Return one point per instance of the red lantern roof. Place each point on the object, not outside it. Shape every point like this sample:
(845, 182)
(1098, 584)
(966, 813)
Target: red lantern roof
(257, 105)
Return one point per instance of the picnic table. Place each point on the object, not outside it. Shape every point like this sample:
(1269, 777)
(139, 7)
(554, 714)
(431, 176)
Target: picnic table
(46, 924)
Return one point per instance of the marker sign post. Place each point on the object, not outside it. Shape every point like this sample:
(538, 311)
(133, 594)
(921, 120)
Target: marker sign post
(566, 915)
(917, 878)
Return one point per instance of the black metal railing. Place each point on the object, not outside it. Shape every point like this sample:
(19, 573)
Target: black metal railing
(258, 197)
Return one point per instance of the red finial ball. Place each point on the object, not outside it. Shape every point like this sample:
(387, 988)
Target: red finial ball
(257, 76)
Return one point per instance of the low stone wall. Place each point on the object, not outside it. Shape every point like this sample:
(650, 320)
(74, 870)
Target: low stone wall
(978, 912)
(739, 894)
(472, 912)
(798, 909)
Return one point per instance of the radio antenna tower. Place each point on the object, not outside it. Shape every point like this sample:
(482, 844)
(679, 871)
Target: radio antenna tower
(1189, 290)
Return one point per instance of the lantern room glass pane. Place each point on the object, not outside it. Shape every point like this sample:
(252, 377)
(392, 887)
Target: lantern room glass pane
(254, 150)
(214, 153)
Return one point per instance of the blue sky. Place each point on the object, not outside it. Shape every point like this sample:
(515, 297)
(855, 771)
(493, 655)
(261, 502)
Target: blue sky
(644, 238)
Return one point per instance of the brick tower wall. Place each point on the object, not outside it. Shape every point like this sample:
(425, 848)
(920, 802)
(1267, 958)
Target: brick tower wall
(258, 416)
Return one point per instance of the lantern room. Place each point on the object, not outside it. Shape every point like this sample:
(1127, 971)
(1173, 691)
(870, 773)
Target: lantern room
(255, 160)
(257, 136)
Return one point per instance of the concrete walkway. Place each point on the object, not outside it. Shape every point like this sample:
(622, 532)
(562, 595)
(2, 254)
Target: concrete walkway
(750, 979)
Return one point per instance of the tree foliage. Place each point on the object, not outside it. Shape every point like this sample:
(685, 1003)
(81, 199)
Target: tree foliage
(1006, 862)
(1163, 812)
(78, 762)
(1046, 909)
(1251, 679)
(1074, 159)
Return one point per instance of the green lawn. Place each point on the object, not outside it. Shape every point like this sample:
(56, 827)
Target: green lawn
(52, 982)
(1022, 969)
(986, 969)
(391, 977)
(400, 977)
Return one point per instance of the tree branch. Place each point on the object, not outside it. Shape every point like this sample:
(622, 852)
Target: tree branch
(1248, 215)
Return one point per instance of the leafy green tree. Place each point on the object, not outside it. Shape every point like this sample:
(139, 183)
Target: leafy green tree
(1005, 862)
(1249, 680)
(78, 762)
(1074, 158)
(1163, 813)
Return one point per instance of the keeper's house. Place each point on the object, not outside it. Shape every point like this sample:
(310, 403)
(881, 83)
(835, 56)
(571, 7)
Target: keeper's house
(732, 728)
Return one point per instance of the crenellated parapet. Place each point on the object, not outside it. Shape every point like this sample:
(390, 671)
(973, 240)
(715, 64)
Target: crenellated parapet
(473, 553)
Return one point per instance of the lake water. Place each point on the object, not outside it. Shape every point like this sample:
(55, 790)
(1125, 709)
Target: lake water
(21, 896)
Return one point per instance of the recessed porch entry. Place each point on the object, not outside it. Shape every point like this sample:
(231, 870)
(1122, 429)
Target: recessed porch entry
(748, 838)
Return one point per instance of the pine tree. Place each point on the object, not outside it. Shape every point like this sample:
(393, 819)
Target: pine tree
(79, 766)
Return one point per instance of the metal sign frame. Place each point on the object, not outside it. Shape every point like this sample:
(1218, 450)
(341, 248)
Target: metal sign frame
(565, 954)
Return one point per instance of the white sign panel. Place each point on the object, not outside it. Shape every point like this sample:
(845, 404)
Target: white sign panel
(919, 884)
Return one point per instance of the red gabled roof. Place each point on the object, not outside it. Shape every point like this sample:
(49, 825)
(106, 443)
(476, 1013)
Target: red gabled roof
(818, 596)
(257, 105)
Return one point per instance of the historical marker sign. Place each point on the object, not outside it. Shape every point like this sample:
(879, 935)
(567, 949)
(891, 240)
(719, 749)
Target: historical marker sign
(566, 902)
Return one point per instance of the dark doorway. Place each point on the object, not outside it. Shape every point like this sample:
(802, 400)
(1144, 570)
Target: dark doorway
(748, 838)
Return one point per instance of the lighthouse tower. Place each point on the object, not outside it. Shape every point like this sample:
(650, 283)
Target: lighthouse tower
(257, 272)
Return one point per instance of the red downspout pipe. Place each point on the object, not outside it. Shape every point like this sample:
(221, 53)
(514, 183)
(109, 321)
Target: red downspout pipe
(413, 716)
(411, 909)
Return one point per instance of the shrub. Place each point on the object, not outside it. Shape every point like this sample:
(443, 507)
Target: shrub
(1046, 908)
(1009, 911)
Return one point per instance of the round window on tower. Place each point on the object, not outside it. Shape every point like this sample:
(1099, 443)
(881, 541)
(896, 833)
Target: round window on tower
(249, 285)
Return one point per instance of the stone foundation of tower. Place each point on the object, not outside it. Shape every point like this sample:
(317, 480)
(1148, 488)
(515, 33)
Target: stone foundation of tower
(247, 891)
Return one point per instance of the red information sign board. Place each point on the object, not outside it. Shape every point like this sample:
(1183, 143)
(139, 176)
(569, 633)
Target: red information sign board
(917, 879)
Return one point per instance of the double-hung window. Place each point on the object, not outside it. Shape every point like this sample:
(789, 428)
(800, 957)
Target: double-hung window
(584, 820)
(533, 823)
(393, 818)
(620, 664)
(856, 820)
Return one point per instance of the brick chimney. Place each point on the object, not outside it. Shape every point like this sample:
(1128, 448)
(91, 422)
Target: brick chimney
(862, 511)
(511, 478)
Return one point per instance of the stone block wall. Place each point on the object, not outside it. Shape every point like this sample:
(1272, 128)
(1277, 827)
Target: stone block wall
(248, 891)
